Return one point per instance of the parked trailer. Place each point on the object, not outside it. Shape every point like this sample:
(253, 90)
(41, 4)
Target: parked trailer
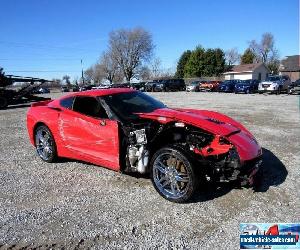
(23, 95)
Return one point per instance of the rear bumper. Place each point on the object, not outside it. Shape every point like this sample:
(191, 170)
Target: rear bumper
(267, 90)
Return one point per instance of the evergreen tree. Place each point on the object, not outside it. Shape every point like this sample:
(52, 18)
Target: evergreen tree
(182, 62)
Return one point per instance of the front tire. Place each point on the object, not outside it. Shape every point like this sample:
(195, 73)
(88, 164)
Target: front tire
(45, 144)
(173, 175)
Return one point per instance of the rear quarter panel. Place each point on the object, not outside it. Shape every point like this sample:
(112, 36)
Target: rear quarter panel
(43, 115)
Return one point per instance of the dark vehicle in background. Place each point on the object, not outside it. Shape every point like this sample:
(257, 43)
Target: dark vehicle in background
(138, 86)
(209, 86)
(120, 85)
(246, 86)
(170, 85)
(75, 88)
(86, 87)
(294, 88)
(227, 86)
(193, 86)
(64, 89)
(150, 86)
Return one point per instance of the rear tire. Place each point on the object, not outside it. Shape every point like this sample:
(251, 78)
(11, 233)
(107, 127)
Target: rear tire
(173, 175)
(45, 144)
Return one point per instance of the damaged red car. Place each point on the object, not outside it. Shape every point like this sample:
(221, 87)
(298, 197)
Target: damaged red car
(129, 131)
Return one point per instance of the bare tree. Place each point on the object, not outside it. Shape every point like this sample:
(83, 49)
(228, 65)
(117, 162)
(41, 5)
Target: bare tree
(89, 74)
(232, 56)
(266, 52)
(265, 49)
(129, 48)
(109, 66)
(145, 73)
(167, 73)
(156, 67)
(99, 73)
(66, 79)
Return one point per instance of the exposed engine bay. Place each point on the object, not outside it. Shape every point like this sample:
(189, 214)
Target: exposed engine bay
(217, 158)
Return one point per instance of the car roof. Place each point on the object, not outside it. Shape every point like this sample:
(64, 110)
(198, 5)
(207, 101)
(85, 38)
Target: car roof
(100, 92)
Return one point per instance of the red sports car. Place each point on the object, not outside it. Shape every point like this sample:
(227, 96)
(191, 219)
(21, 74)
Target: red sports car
(129, 131)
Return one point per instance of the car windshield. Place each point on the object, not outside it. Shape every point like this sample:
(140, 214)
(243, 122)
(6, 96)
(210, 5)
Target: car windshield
(194, 83)
(126, 105)
(273, 78)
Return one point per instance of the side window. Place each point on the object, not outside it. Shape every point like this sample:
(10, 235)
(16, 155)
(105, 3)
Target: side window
(67, 102)
(89, 106)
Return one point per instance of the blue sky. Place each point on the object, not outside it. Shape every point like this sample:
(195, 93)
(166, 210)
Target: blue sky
(53, 35)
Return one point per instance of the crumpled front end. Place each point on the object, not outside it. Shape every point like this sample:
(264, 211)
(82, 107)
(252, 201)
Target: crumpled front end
(223, 149)
(237, 156)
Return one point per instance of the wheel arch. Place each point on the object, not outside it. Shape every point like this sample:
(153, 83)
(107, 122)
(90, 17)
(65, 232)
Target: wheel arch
(167, 136)
(38, 124)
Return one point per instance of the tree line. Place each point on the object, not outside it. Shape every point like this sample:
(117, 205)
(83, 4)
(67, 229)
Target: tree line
(130, 53)
(213, 62)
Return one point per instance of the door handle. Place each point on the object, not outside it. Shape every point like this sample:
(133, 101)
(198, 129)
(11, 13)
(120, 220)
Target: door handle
(102, 122)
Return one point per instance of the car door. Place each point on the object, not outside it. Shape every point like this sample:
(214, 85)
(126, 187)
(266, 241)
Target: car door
(86, 131)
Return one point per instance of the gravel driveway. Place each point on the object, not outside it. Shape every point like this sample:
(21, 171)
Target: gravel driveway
(77, 205)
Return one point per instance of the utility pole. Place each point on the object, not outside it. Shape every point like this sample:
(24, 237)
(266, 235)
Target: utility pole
(82, 73)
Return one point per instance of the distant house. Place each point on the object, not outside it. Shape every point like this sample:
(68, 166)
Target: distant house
(291, 66)
(256, 71)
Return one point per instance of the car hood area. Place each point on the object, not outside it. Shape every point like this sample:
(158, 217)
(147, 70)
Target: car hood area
(210, 121)
(213, 122)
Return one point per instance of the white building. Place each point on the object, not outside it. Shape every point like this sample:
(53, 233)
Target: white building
(256, 71)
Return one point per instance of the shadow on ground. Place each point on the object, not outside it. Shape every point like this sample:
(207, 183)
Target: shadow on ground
(18, 106)
(272, 173)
